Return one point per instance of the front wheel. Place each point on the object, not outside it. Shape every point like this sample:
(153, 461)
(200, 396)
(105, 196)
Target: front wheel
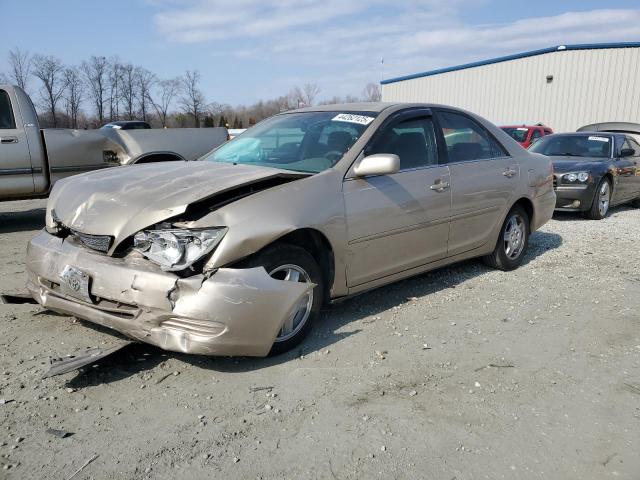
(601, 201)
(291, 263)
(512, 242)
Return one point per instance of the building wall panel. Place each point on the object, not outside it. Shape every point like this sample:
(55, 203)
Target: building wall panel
(589, 86)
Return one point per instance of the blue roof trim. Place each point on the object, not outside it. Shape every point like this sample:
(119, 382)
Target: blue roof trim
(532, 53)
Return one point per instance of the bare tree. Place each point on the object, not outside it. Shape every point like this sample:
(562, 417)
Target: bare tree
(371, 93)
(95, 73)
(20, 63)
(74, 94)
(310, 92)
(115, 88)
(192, 99)
(145, 80)
(50, 71)
(129, 90)
(167, 90)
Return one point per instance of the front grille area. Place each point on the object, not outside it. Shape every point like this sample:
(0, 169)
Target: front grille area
(100, 243)
(555, 182)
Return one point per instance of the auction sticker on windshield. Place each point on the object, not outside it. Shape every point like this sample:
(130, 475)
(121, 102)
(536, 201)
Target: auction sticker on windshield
(599, 139)
(351, 118)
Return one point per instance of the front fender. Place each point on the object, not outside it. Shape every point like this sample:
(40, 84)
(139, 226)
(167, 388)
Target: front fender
(256, 221)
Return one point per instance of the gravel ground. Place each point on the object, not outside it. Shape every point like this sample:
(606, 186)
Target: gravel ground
(460, 373)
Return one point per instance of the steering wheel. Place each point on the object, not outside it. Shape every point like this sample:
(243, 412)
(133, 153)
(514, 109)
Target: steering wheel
(333, 155)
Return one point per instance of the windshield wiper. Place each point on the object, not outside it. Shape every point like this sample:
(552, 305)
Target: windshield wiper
(567, 154)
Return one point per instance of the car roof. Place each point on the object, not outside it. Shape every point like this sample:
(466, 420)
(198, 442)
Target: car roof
(582, 134)
(348, 107)
(374, 107)
(612, 127)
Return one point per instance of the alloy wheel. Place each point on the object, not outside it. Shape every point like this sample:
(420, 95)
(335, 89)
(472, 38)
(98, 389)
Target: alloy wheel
(604, 196)
(514, 235)
(300, 314)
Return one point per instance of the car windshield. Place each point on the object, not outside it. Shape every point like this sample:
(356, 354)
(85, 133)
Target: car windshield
(519, 134)
(589, 146)
(305, 142)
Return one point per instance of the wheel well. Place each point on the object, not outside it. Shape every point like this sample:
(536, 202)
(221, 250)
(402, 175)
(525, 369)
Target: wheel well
(158, 157)
(528, 207)
(320, 249)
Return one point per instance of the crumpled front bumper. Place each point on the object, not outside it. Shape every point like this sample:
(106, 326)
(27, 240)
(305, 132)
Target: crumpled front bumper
(233, 312)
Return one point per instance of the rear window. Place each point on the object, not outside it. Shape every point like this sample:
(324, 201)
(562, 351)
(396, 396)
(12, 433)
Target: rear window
(519, 134)
(7, 121)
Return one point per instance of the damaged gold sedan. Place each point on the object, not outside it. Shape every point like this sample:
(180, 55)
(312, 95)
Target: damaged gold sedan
(236, 253)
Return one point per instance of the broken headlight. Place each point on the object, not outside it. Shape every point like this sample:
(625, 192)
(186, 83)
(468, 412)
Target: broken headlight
(177, 249)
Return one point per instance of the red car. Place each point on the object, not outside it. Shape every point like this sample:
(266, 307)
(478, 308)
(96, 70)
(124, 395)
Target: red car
(525, 135)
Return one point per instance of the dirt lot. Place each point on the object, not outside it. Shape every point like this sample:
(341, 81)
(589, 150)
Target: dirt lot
(461, 373)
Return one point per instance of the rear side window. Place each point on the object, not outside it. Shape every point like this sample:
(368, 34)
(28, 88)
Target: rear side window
(413, 140)
(466, 139)
(6, 114)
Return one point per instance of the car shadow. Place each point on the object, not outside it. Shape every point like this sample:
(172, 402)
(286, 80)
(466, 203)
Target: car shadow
(137, 358)
(328, 331)
(22, 221)
(577, 216)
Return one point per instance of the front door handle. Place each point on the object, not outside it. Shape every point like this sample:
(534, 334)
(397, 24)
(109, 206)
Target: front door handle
(509, 172)
(439, 186)
(9, 140)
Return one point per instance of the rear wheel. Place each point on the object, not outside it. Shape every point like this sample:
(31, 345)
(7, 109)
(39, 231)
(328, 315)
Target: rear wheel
(601, 201)
(291, 263)
(512, 242)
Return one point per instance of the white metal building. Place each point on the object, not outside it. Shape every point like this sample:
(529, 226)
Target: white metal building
(563, 87)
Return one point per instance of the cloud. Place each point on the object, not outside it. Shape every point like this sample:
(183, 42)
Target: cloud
(339, 43)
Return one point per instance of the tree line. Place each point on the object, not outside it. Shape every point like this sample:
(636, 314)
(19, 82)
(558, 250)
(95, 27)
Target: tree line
(101, 90)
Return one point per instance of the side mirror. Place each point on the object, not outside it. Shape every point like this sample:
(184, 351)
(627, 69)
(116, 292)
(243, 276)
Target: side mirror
(627, 152)
(378, 164)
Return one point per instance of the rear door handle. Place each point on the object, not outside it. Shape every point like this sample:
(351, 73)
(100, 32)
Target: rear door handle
(439, 186)
(509, 172)
(9, 140)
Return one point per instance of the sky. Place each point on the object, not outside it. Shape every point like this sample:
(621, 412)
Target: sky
(247, 50)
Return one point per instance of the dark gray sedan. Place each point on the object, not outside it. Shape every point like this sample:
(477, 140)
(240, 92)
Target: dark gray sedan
(593, 171)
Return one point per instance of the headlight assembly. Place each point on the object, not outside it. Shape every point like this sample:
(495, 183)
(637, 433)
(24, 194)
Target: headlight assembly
(576, 177)
(176, 249)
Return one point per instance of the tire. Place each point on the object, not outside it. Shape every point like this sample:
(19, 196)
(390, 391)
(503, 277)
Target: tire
(510, 252)
(279, 261)
(598, 210)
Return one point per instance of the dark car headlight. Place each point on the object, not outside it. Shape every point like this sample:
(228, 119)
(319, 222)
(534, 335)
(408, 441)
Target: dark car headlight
(177, 249)
(576, 177)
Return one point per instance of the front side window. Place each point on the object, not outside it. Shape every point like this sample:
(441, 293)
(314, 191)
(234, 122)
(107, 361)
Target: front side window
(635, 145)
(414, 141)
(467, 140)
(587, 146)
(6, 114)
(305, 142)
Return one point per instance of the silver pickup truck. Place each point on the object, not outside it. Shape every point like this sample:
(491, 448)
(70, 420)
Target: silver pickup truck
(33, 159)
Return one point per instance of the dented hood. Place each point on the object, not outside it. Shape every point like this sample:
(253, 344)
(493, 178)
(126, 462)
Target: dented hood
(120, 201)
